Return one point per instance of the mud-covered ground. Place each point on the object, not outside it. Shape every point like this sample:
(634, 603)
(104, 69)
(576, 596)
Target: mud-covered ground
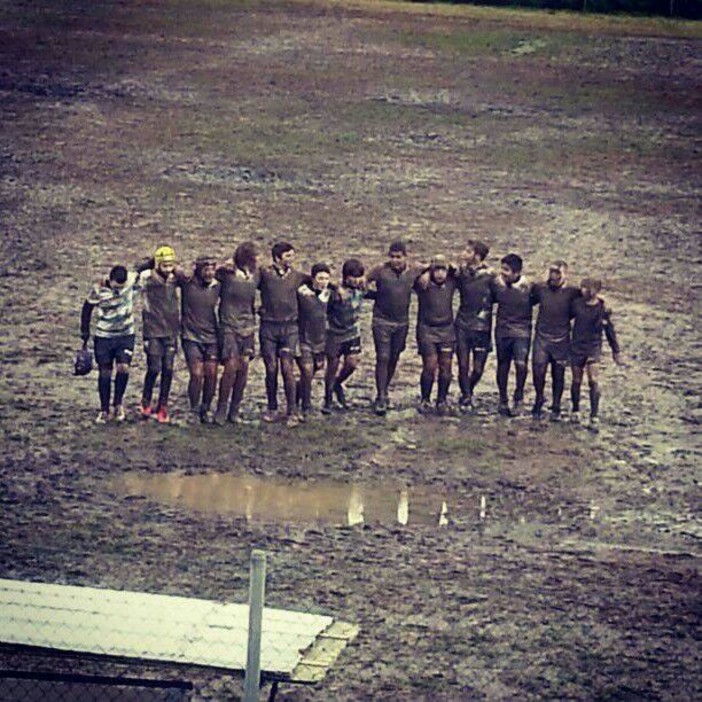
(569, 563)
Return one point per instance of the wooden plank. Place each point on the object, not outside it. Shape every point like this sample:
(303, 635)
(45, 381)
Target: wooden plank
(324, 652)
(151, 627)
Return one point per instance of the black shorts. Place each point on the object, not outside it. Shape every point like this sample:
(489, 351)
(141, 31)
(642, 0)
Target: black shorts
(312, 354)
(468, 340)
(389, 339)
(580, 357)
(119, 349)
(232, 344)
(435, 340)
(279, 339)
(546, 351)
(336, 348)
(161, 346)
(512, 348)
(199, 352)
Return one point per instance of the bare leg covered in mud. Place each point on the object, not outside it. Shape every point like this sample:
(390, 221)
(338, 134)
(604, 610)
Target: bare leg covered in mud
(231, 389)
(335, 378)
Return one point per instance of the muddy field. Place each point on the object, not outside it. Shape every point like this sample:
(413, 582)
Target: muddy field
(558, 564)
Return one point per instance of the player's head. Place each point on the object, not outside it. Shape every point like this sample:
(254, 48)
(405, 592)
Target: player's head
(476, 252)
(117, 277)
(590, 288)
(283, 253)
(352, 273)
(205, 267)
(439, 269)
(246, 255)
(511, 267)
(557, 273)
(165, 260)
(321, 274)
(397, 255)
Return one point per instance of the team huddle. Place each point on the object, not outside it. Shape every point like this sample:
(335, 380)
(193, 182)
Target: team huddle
(309, 325)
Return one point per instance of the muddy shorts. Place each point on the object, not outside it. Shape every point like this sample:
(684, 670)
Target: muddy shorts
(512, 348)
(199, 352)
(312, 355)
(389, 339)
(160, 352)
(232, 344)
(336, 348)
(581, 356)
(435, 340)
(119, 349)
(547, 351)
(468, 340)
(279, 339)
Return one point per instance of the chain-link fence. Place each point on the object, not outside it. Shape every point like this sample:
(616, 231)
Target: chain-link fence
(62, 642)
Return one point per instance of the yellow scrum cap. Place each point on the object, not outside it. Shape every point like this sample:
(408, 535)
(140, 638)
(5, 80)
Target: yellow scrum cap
(164, 254)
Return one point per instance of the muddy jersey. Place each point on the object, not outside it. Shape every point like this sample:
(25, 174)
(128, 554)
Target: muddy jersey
(237, 298)
(115, 308)
(514, 308)
(199, 302)
(393, 293)
(553, 321)
(279, 294)
(312, 306)
(475, 288)
(589, 323)
(343, 313)
(436, 303)
(161, 306)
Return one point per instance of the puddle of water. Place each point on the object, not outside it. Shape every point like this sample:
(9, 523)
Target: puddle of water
(261, 500)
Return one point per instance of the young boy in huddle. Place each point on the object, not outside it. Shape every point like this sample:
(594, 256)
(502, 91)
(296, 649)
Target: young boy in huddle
(313, 298)
(591, 317)
(160, 327)
(343, 332)
(436, 334)
(114, 336)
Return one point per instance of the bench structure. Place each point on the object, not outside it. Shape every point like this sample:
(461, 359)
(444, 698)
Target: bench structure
(297, 647)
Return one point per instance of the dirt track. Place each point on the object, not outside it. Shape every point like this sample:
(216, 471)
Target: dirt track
(203, 124)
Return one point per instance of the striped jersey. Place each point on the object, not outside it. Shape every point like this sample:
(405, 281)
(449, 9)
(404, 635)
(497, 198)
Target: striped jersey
(115, 308)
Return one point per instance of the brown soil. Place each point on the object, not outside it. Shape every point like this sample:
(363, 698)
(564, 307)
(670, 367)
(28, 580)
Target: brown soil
(344, 127)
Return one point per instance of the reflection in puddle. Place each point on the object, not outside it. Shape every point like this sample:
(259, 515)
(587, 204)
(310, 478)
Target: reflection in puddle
(261, 500)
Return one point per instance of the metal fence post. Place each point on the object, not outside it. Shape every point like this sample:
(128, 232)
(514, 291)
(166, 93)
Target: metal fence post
(257, 588)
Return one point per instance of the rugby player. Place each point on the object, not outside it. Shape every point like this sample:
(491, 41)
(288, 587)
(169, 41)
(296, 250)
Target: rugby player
(474, 318)
(199, 299)
(512, 293)
(313, 297)
(343, 332)
(552, 337)
(392, 284)
(279, 333)
(237, 325)
(591, 317)
(160, 326)
(114, 336)
(436, 333)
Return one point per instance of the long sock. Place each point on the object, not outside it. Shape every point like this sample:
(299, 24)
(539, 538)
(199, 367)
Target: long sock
(149, 383)
(121, 380)
(464, 380)
(443, 386)
(272, 389)
(575, 396)
(165, 389)
(426, 383)
(502, 380)
(209, 387)
(521, 372)
(558, 382)
(594, 399)
(539, 383)
(238, 390)
(475, 377)
(194, 391)
(381, 377)
(226, 384)
(104, 389)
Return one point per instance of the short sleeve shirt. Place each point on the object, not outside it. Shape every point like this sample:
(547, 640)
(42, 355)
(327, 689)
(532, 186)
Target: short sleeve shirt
(115, 308)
